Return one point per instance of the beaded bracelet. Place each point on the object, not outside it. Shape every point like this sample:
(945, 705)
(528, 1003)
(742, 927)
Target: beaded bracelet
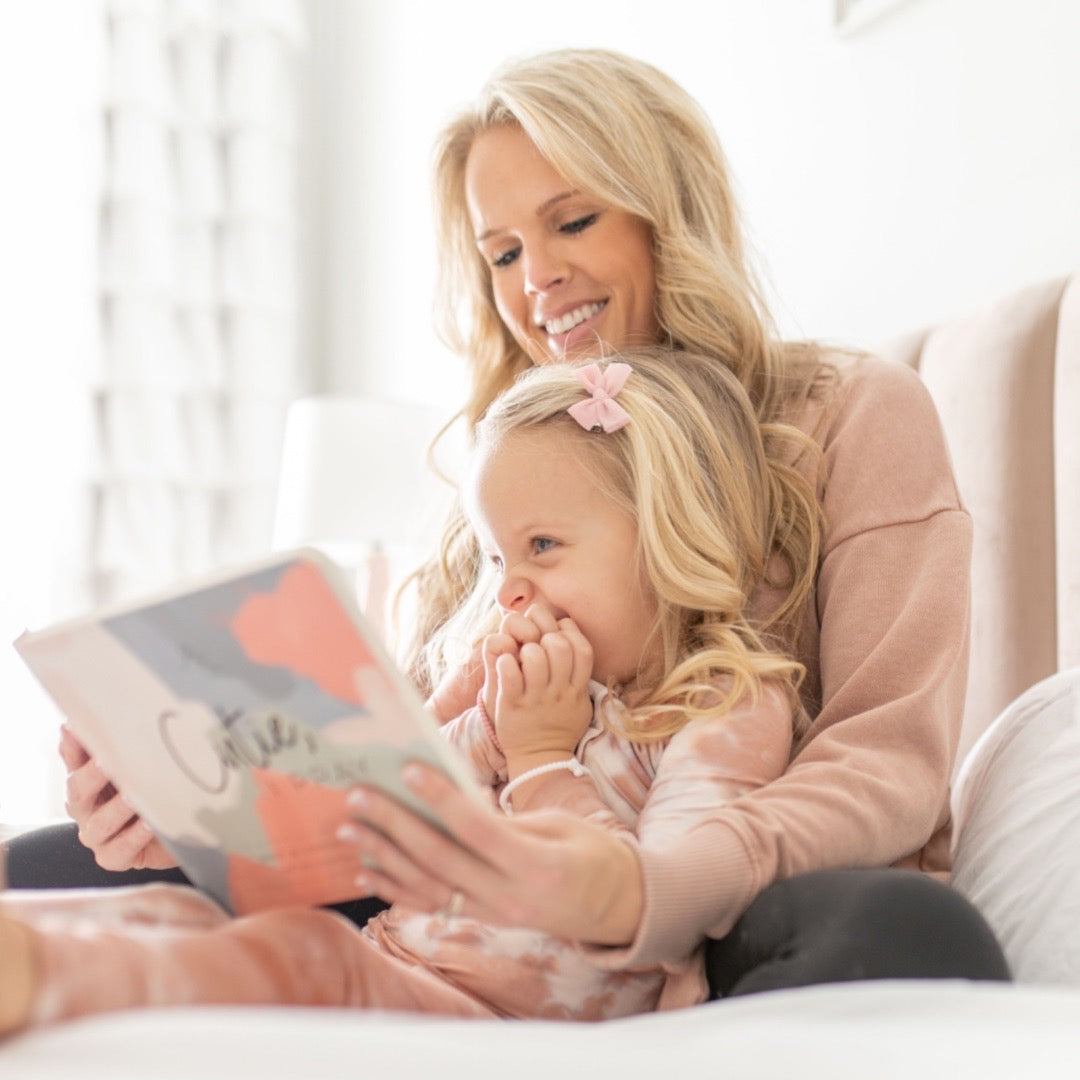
(572, 764)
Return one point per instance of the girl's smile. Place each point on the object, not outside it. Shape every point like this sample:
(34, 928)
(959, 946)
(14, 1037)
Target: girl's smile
(556, 540)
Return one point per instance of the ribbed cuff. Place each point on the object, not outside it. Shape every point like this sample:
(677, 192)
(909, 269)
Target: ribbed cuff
(696, 888)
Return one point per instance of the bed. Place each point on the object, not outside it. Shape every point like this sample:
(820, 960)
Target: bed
(852, 1031)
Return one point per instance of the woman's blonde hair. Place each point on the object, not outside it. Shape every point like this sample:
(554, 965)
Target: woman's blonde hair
(621, 130)
(690, 469)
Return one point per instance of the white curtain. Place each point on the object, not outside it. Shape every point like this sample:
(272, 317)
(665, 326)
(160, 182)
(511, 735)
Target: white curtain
(201, 313)
(152, 245)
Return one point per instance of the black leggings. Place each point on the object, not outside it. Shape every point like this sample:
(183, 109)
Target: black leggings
(843, 925)
(826, 927)
(54, 858)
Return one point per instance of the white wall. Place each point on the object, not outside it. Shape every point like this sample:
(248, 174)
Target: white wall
(889, 178)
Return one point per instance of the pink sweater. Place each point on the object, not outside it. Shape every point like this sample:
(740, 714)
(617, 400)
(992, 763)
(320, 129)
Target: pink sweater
(886, 651)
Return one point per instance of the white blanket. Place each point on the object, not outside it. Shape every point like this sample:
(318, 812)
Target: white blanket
(862, 1031)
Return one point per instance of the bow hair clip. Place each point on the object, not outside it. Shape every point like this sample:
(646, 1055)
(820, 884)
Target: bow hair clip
(600, 411)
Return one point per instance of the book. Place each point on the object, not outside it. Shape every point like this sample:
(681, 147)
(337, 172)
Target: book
(234, 714)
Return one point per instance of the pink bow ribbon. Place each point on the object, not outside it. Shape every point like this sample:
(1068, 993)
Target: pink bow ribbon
(601, 412)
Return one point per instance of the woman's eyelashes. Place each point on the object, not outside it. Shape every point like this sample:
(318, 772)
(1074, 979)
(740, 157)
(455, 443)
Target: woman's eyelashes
(506, 258)
(579, 224)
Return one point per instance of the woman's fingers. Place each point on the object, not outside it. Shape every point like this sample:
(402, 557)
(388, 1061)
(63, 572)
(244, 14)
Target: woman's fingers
(87, 787)
(120, 840)
(107, 825)
(405, 859)
(123, 848)
(72, 752)
(386, 872)
(105, 821)
(549, 871)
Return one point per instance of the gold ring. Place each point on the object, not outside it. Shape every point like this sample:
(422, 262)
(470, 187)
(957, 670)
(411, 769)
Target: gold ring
(453, 906)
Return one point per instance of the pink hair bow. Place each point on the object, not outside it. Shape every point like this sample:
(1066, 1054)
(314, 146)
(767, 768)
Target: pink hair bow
(601, 412)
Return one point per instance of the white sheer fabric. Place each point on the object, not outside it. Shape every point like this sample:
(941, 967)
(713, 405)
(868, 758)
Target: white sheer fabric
(200, 293)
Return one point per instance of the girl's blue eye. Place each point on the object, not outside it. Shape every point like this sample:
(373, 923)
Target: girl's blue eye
(506, 258)
(579, 224)
(542, 544)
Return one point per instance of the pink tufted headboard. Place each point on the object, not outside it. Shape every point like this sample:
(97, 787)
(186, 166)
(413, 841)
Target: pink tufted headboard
(1006, 379)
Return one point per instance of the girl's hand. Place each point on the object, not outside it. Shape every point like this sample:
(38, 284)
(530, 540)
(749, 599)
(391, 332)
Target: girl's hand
(547, 870)
(107, 825)
(457, 691)
(542, 705)
(516, 629)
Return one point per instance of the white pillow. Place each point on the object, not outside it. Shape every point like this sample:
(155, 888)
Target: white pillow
(1016, 830)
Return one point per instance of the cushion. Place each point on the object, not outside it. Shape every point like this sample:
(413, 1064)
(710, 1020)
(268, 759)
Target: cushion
(1016, 839)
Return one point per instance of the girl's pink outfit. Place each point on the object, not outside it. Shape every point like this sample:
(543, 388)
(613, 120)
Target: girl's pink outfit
(165, 945)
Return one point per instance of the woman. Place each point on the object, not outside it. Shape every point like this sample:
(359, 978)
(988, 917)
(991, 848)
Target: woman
(583, 205)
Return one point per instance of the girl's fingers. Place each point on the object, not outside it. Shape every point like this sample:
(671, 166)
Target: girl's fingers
(582, 653)
(509, 677)
(519, 627)
(457, 691)
(500, 643)
(497, 644)
(542, 619)
(560, 658)
(535, 669)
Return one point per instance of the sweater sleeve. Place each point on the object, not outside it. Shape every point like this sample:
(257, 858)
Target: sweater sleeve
(468, 734)
(558, 790)
(886, 648)
(707, 764)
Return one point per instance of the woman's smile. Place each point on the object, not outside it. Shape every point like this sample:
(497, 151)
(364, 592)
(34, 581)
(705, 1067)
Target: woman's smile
(568, 273)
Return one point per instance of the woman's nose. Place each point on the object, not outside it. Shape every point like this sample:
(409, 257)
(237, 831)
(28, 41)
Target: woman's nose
(543, 269)
(515, 593)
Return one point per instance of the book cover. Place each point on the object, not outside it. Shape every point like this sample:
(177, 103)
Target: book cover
(235, 714)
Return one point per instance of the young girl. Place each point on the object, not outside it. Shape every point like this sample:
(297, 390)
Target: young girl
(624, 511)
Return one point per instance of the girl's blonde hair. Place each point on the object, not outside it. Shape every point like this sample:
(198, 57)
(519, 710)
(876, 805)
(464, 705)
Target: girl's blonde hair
(691, 469)
(621, 130)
